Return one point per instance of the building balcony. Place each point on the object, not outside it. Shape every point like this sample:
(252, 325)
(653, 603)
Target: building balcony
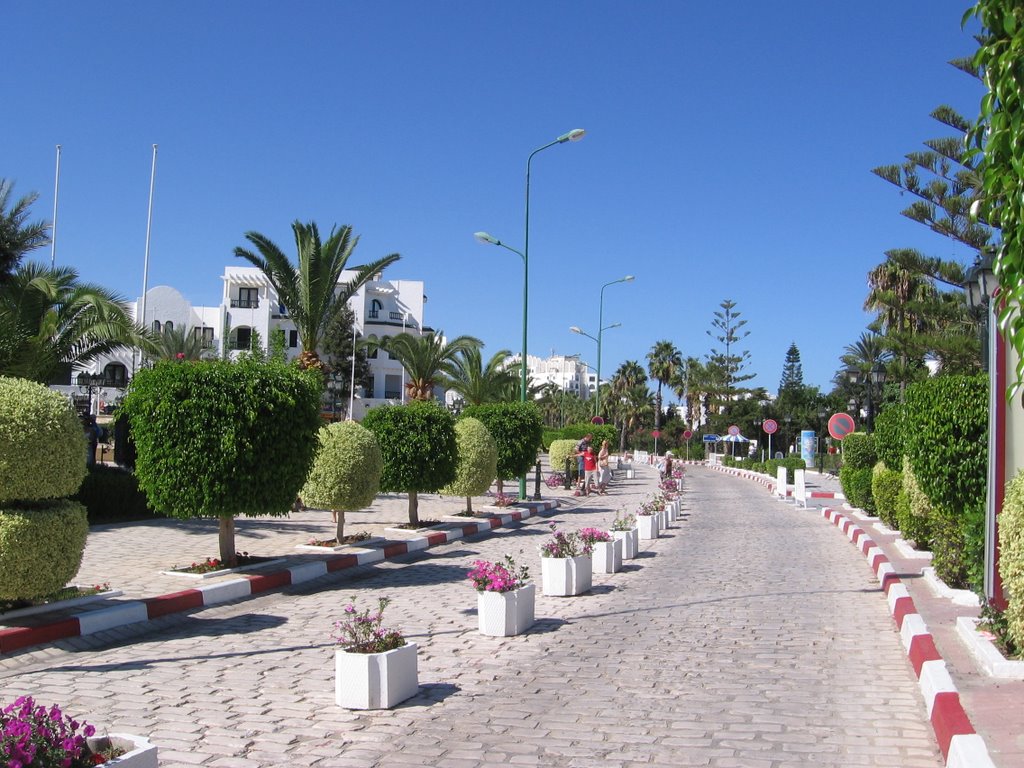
(245, 303)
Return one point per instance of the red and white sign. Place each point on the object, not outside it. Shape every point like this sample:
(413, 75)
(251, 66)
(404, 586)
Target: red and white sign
(655, 434)
(770, 426)
(687, 434)
(840, 425)
(734, 430)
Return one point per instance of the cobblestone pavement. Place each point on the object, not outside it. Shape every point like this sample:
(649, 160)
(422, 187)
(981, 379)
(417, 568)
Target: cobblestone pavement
(751, 635)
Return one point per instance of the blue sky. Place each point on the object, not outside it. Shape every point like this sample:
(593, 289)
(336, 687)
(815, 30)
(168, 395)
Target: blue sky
(727, 155)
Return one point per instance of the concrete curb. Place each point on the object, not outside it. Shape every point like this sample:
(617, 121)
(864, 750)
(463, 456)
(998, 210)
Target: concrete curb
(770, 482)
(960, 744)
(135, 611)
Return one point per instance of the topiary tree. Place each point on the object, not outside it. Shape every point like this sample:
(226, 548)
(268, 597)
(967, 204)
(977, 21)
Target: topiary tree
(914, 514)
(216, 439)
(1011, 556)
(559, 451)
(516, 428)
(855, 477)
(417, 441)
(346, 471)
(886, 485)
(477, 464)
(889, 442)
(42, 458)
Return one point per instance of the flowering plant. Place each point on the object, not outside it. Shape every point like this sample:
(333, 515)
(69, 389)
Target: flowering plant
(594, 535)
(623, 523)
(504, 500)
(554, 480)
(363, 631)
(647, 509)
(565, 544)
(677, 473)
(34, 735)
(668, 484)
(505, 576)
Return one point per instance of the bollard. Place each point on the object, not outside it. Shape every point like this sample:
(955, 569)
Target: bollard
(568, 469)
(536, 484)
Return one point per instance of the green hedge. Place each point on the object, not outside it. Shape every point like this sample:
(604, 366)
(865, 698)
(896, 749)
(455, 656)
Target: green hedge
(516, 428)
(914, 514)
(1011, 556)
(40, 548)
(576, 432)
(859, 451)
(112, 495)
(477, 465)
(559, 451)
(856, 484)
(889, 440)
(886, 485)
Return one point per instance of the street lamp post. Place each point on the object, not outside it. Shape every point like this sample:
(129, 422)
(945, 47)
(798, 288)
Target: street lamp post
(597, 388)
(574, 135)
(600, 330)
(90, 384)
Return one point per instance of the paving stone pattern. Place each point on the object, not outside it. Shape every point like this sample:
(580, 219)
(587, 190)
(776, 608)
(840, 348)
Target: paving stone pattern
(749, 636)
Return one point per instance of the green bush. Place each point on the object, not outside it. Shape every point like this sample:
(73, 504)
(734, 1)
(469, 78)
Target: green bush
(1011, 556)
(40, 547)
(42, 443)
(791, 463)
(217, 439)
(889, 442)
(346, 470)
(561, 450)
(516, 428)
(112, 495)
(857, 487)
(946, 433)
(886, 485)
(914, 511)
(859, 451)
(417, 442)
(477, 464)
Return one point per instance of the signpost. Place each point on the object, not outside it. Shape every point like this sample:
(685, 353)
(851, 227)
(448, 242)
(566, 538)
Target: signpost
(770, 427)
(687, 434)
(840, 425)
(655, 434)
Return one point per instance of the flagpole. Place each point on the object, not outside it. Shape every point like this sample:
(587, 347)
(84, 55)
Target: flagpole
(53, 229)
(149, 228)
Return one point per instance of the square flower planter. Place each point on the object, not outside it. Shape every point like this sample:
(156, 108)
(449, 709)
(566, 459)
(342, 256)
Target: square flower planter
(663, 521)
(607, 556)
(375, 680)
(139, 752)
(648, 527)
(503, 614)
(630, 542)
(566, 576)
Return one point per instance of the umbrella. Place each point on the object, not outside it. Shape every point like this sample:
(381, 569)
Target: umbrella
(735, 439)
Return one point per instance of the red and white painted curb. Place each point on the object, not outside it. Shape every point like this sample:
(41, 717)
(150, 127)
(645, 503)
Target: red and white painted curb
(770, 482)
(131, 612)
(961, 745)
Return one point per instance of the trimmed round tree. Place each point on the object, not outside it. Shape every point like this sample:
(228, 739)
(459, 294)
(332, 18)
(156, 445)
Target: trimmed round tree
(417, 441)
(346, 471)
(42, 459)
(517, 429)
(477, 464)
(559, 451)
(216, 439)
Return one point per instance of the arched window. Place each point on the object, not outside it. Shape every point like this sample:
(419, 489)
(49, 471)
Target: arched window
(375, 308)
(168, 326)
(156, 326)
(115, 375)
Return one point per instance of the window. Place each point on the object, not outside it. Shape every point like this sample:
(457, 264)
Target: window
(168, 326)
(293, 339)
(248, 298)
(115, 375)
(204, 335)
(375, 308)
(241, 338)
(156, 326)
(392, 386)
(371, 386)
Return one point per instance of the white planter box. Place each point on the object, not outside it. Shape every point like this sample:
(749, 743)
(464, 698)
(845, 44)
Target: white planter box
(663, 520)
(647, 525)
(566, 576)
(607, 556)
(375, 680)
(503, 614)
(630, 542)
(139, 752)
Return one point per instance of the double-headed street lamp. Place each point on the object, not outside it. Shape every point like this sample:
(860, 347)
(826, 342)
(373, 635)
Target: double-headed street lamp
(600, 332)
(574, 135)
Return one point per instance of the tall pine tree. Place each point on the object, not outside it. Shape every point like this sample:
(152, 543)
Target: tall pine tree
(726, 365)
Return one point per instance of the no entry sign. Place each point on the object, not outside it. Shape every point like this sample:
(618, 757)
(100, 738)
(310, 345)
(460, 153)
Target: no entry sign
(770, 426)
(840, 425)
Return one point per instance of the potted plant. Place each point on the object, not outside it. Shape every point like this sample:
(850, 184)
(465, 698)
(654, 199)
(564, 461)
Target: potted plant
(31, 734)
(566, 567)
(647, 522)
(505, 601)
(607, 551)
(624, 529)
(374, 667)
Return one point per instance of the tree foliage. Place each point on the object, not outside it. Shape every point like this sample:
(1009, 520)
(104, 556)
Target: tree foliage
(516, 428)
(726, 363)
(18, 236)
(425, 358)
(477, 461)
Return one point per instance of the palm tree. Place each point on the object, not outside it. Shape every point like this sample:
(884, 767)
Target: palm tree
(311, 291)
(662, 362)
(628, 378)
(49, 321)
(635, 405)
(425, 358)
(16, 236)
(477, 383)
(176, 344)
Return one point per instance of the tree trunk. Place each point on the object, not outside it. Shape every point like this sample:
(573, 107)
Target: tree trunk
(339, 531)
(414, 517)
(501, 486)
(226, 538)
(469, 504)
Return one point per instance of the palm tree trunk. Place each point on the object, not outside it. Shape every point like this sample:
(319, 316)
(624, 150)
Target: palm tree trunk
(226, 539)
(414, 517)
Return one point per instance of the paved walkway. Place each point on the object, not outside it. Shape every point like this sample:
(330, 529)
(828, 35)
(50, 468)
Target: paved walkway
(752, 634)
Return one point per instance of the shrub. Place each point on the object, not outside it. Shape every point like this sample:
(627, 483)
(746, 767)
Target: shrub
(889, 442)
(218, 439)
(885, 489)
(42, 444)
(561, 450)
(346, 470)
(477, 463)
(859, 451)
(516, 428)
(40, 547)
(857, 487)
(577, 432)
(793, 463)
(914, 511)
(1011, 556)
(417, 442)
(112, 495)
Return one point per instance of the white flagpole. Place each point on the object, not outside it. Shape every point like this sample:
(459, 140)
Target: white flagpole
(149, 228)
(53, 230)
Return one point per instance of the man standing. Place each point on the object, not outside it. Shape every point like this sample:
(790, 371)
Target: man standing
(581, 448)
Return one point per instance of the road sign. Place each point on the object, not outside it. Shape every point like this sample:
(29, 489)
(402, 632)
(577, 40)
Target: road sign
(597, 420)
(687, 434)
(655, 434)
(711, 438)
(734, 430)
(840, 425)
(770, 426)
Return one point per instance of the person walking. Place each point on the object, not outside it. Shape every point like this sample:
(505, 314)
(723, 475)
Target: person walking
(589, 470)
(581, 447)
(604, 472)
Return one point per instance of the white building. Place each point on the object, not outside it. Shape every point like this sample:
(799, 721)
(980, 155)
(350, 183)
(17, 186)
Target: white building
(567, 372)
(249, 303)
